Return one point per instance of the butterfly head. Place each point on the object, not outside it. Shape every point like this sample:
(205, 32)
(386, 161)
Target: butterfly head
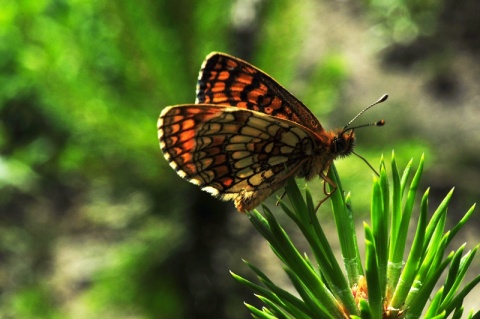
(343, 143)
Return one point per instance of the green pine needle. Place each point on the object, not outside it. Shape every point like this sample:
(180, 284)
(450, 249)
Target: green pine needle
(385, 285)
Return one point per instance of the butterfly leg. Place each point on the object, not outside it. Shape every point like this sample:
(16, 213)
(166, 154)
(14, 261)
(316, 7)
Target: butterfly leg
(326, 180)
(281, 197)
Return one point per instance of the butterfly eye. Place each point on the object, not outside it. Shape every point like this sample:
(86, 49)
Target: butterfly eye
(339, 144)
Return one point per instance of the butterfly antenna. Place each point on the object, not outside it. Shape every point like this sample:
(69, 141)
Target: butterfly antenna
(379, 123)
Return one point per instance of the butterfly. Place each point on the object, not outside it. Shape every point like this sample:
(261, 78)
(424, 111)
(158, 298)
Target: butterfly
(246, 135)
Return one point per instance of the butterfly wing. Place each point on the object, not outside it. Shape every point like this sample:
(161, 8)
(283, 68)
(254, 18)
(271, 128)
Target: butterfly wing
(232, 153)
(226, 80)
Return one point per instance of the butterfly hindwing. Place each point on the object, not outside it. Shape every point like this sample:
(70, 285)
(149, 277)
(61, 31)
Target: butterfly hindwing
(231, 152)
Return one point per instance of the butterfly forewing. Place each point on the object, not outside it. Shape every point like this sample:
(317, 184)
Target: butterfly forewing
(233, 153)
(226, 80)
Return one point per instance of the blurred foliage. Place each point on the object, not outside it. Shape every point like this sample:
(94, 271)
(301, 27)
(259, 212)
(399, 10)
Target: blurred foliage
(404, 21)
(93, 221)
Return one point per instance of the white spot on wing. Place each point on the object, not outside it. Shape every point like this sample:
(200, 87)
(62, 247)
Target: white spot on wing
(172, 164)
(159, 124)
(211, 190)
(195, 181)
(162, 143)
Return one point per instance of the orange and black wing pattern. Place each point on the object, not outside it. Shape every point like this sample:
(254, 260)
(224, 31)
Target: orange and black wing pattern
(227, 80)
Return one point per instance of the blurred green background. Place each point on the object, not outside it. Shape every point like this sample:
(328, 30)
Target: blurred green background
(93, 221)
